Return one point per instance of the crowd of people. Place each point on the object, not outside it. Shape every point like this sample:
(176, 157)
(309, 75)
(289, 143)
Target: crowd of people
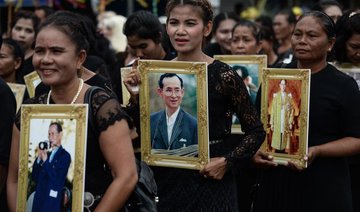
(71, 54)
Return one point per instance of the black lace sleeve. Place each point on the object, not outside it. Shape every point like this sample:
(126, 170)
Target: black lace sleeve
(228, 91)
(107, 111)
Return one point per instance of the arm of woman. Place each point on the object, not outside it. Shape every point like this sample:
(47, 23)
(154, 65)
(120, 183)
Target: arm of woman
(115, 144)
(235, 89)
(12, 179)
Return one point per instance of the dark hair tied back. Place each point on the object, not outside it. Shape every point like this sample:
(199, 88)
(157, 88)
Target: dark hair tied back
(72, 25)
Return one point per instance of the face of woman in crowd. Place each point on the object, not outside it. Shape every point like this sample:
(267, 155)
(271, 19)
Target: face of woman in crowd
(186, 28)
(55, 57)
(353, 49)
(8, 63)
(282, 28)
(23, 32)
(223, 33)
(244, 42)
(334, 12)
(144, 48)
(309, 40)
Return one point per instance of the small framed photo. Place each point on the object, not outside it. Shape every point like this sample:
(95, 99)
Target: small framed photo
(249, 67)
(19, 91)
(351, 70)
(174, 114)
(124, 71)
(31, 81)
(285, 114)
(52, 157)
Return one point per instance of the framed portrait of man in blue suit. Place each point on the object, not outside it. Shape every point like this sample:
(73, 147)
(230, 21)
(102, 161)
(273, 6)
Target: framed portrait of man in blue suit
(173, 103)
(52, 155)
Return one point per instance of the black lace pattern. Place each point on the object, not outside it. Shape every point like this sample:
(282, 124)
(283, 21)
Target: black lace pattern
(228, 95)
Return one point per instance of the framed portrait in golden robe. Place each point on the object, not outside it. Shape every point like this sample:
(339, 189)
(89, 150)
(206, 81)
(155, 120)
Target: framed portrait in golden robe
(285, 114)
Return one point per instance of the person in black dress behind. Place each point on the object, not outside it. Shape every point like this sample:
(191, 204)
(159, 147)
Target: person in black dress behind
(334, 131)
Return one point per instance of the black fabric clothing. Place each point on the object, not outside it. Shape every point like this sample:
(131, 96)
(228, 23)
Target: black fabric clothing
(27, 68)
(325, 184)
(7, 114)
(213, 49)
(96, 80)
(187, 190)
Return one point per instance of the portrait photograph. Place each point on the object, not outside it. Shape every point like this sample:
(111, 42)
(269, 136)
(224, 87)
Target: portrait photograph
(32, 80)
(19, 91)
(173, 109)
(284, 112)
(249, 68)
(52, 159)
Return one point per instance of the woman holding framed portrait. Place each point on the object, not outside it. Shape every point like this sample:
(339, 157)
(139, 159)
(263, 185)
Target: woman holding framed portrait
(334, 131)
(189, 21)
(60, 50)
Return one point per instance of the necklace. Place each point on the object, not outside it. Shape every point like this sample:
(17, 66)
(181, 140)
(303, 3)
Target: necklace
(81, 84)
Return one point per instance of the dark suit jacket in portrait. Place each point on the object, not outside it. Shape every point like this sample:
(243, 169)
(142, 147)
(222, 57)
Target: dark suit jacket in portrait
(184, 132)
(50, 179)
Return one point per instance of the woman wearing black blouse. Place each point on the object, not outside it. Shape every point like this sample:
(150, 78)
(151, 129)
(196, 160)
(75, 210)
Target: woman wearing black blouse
(334, 131)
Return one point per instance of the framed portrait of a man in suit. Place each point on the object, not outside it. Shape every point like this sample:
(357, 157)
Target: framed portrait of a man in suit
(173, 105)
(52, 157)
(284, 113)
(249, 68)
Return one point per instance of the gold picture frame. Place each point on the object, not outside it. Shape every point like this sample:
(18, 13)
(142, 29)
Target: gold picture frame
(31, 81)
(19, 91)
(351, 70)
(124, 71)
(36, 121)
(250, 67)
(195, 93)
(285, 114)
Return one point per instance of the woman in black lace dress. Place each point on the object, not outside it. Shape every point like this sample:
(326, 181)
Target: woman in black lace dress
(214, 187)
(60, 50)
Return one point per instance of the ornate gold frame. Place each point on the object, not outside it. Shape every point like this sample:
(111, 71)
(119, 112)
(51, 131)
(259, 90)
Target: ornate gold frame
(260, 60)
(199, 70)
(124, 71)
(19, 91)
(31, 81)
(31, 114)
(298, 80)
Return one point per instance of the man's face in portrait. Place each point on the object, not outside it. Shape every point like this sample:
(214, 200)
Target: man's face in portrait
(54, 136)
(282, 85)
(171, 93)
